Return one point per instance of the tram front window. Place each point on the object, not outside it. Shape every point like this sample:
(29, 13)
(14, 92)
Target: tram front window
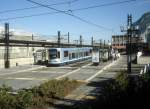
(53, 54)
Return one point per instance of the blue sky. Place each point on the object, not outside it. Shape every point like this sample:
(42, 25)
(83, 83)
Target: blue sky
(110, 17)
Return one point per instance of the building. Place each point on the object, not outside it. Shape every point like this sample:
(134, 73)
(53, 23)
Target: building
(119, 41)
(18, 55)
(140, 37)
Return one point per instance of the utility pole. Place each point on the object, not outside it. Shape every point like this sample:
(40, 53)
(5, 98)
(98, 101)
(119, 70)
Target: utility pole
(100, 43)
(6, 56)
(108, 49)
(68, 38)
(100, 47)
(128, 47)
(130, 29)
(80, 40)
(32, 37)
(92, 41)
(104, 45)
(58, 41)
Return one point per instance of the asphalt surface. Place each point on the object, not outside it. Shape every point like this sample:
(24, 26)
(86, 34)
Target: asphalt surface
(33, 75)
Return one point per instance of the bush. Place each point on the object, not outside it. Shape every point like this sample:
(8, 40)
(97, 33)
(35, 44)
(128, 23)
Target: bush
(122, 80)
(57, 88)
(24, 99)
(38, 97)
(125, 91)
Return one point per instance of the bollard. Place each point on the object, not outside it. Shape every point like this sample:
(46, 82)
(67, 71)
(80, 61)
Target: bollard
(145, 69)
(148, 66)
(141, 72)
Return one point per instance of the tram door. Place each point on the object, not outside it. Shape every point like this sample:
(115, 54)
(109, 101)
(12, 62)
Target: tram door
(95, 56)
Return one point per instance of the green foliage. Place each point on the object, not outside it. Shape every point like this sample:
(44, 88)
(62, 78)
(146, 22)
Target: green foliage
(7, 101)
(24, 99)
(5, 88)
(122, 80)
(38, 97)
(104, 59)
(57, 88)
(145, 77)
(126, 90)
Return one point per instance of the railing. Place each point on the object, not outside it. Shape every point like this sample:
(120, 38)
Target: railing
(146, 69)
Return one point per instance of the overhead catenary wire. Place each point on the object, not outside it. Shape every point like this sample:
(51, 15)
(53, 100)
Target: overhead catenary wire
(79, 9)
(77, 17)
(69, 2)
(26, 16)
(106, 4)
(34, 7)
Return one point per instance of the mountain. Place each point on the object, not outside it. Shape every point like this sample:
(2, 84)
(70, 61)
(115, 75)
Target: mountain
(143, 22)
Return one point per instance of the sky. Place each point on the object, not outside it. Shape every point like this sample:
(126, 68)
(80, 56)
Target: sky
(109, 17)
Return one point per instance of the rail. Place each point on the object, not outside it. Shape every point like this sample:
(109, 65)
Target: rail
(146, 69)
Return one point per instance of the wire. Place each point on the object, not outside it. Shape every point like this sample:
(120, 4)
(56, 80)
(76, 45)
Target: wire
(33, 15)
(34, 7)
(77, 17)
(79, 9)
(106, 4)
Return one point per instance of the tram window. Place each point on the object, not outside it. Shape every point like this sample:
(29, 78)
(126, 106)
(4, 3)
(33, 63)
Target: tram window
(53, 54)
(65, 53)
(90, 50)
(44, 53)
(86, 53)
(80, 54)
(70, 57)
(58, 54)
(76, 55)
(73, 55)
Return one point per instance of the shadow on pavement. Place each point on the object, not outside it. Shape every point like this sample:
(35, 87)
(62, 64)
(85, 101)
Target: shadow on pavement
(85, 102)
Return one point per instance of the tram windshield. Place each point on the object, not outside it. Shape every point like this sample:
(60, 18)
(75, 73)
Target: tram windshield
(53, 54)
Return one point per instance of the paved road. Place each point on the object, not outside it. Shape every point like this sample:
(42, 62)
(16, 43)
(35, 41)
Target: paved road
(32, 75)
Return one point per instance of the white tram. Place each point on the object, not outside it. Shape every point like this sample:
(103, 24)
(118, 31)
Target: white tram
(60, 56)
(95, 56)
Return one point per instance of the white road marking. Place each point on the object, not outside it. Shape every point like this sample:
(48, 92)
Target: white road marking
(48, 72)
(27, 79)
(104, 68)
(69, 73)
(64, 67)
(23, 70)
